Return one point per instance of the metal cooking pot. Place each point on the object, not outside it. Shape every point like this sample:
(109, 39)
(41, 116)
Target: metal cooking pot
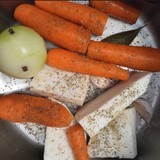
(17, 146)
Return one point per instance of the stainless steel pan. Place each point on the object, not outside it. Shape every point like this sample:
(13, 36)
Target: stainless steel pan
(15, 145)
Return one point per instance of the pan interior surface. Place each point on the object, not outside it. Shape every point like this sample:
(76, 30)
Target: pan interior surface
(26, 141)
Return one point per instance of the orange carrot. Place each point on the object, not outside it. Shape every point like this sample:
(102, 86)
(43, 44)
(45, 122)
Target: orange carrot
(84, 15)
(141, 58)
(74, 62)
(117, 9)
(27, 108)
(53, 28)
(77, 141)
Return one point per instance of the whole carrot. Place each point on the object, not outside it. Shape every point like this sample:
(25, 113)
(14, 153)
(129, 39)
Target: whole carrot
(140, 58)
(74, 62)
(77, 142)
(54, 28)
(118, 9)
(27, 108)
(84, 15)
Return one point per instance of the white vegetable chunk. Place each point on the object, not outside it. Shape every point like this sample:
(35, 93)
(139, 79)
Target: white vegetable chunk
(57, 146)
(118, 139)
(96, 114)
(61, 85)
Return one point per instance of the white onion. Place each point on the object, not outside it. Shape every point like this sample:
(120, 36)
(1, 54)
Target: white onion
(22, 52)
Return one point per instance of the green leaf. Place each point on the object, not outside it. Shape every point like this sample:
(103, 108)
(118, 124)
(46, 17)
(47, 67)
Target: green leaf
(124, 38)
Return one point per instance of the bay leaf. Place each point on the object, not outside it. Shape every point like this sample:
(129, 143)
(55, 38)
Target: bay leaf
(124, 38)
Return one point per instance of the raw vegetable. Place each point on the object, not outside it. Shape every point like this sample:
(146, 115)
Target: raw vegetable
(118, 9)
(27, 108)
(81, 14)
(74, 62)
(140, 58)
(57, 146)
(77, 141)
(99, 112)
(117, 140)
(22, 52)
(54, 28)
(64, 86)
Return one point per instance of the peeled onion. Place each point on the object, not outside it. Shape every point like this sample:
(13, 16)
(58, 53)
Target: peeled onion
(22, 52)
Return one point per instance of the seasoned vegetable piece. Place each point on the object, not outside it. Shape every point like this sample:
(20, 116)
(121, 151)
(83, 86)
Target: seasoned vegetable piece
(74, 62)
(117, 139)
(57, 146)
(97, 113)
(140, 58)
(84, 15)
(27, 108)
(118, 9)
(54, 28)
(61, 85)
(77, 141)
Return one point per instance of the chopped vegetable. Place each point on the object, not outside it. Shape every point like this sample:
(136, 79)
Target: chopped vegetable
(54, 28)
(81, 14)
(118, 9)
(140, 58)
(27, 108)
(99, 112)
(57, 146)
(77, 141)
(74, 62)
(64, 86)
(117, 139)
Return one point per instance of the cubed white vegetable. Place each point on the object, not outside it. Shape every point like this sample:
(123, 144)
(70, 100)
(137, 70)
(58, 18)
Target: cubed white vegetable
(57, 146)
(96, 114)
(118, 139)
(61, 85)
